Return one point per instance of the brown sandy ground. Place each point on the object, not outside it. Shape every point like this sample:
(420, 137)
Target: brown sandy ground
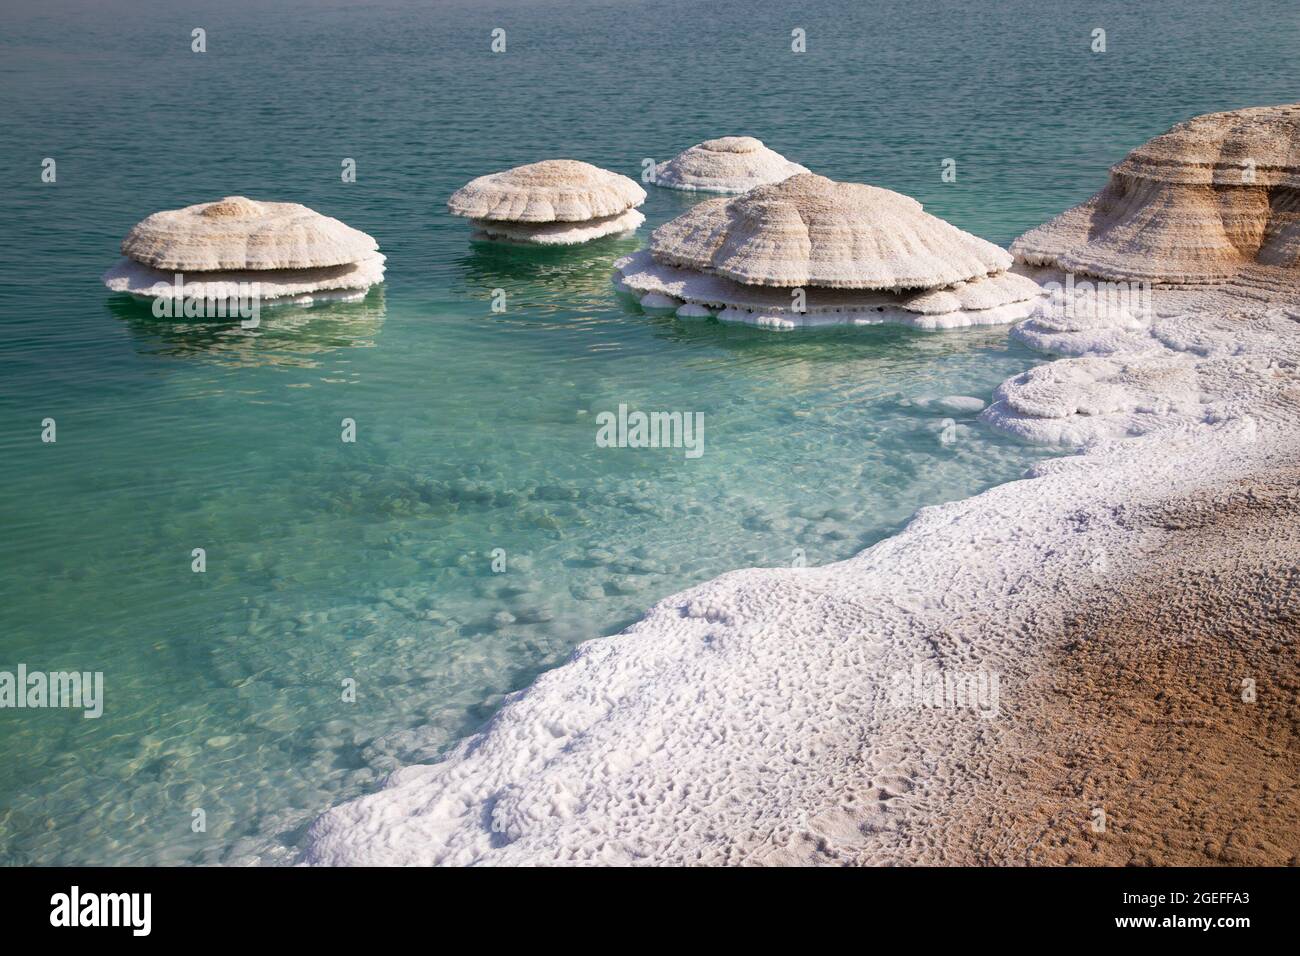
(1138, 710)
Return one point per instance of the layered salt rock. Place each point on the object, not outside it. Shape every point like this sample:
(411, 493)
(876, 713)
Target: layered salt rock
(553, 202)
(560, 233)
(991, 300)
(144, 281)
(731, 164)
(1214, 200)
(240, 233)
(237, 247)
(812, 231)
(810, 252)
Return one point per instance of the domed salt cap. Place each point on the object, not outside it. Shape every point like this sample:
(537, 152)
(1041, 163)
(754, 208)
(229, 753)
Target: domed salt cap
(812, 231)
(554, 190)
(1216, 199)
(239, 233)
(732, 164)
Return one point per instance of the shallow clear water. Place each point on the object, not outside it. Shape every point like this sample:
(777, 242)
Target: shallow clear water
(372, 561)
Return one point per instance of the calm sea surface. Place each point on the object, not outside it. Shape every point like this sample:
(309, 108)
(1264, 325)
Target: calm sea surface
(372, 562)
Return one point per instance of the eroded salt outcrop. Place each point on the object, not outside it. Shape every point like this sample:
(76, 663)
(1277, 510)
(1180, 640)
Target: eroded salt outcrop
(1216, 200)
(237, 248)
(809, 252)
(812, 231)
(552, 202)
(729, 164)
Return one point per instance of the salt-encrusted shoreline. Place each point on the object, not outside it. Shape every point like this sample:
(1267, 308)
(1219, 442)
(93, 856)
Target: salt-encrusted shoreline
(757, 718)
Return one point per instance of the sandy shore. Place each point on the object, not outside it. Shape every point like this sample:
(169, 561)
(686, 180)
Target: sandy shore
(1119, 597)
(1135, 706)
(1138, 706)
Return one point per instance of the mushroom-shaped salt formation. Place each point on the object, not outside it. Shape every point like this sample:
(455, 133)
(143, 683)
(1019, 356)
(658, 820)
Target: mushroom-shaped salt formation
(237, 247)
(732, 164)
(1214, 200)
(809, 251)
(555, 202)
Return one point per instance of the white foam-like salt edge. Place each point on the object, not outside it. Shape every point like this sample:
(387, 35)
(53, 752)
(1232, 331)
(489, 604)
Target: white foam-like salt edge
(560, 233)
(1187, 364)
(691, 310)
(785, 321)
(1012, 296)
(657, 301)
(1085, 323)
(747, 720)
(273, 286)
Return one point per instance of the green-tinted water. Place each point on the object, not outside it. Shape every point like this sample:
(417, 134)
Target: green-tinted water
(372, 561)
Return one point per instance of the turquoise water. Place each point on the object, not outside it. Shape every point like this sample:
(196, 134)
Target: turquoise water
(372, 561)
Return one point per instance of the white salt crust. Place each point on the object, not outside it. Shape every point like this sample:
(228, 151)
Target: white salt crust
(553, 190)
(995, 300)
(811, 231)
(747, 720)
(1200, 358)
(732, 164)
(658, 302)
(956, 404)
(274, 286)
(560, 233)
(692, 311)
(1085, 323)
(241, 233)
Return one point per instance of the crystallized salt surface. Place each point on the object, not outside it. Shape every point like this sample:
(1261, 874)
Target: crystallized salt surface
(241, 233)
(960, 404)
(278, 285)
(808, 230)
(553, 190)
(1200, 359)
(731, 164)
(1212, 200)
(994, 300)
(692, 311)
(750, 719)
(560, 233)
